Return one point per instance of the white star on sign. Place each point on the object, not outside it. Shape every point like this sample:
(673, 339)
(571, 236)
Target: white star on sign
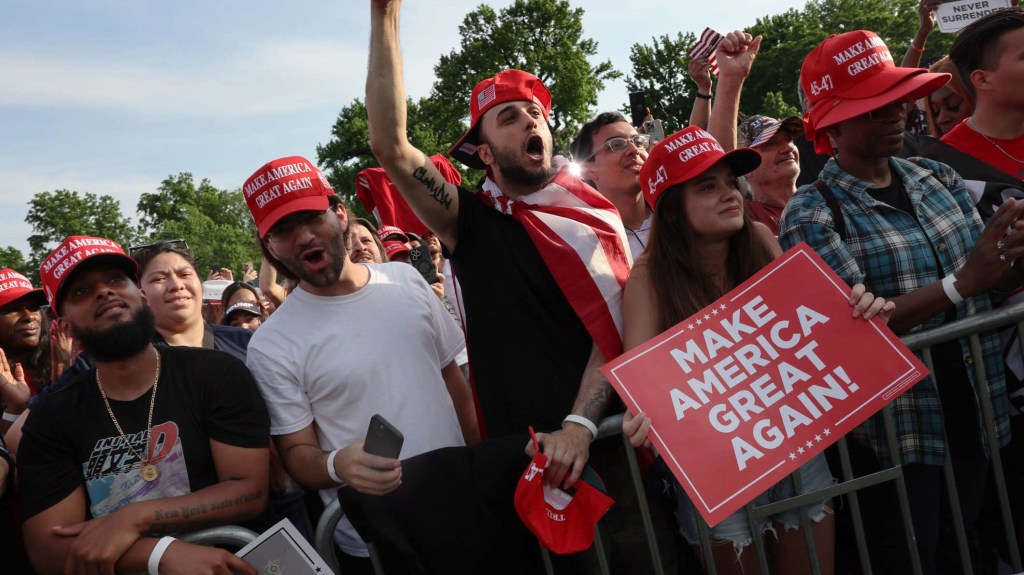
(714, 312)
(690, 326)
(721, 306)
(817, 438)
(792, 455)
(698, 322)
(828, 431)
(706, 316)
(809, 445)
(800, 450)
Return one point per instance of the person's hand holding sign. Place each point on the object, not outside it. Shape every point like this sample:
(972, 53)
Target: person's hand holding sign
(867, 306)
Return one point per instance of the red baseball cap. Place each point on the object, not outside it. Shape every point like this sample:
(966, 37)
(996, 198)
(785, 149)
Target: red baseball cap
(71, 254)
(561, 522)
(853, 73)
(685, 155)
(14, 286)
(393, 248)
(283, 187)
(506, 86)
(385, 233)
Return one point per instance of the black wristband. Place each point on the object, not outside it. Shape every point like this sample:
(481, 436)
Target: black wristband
(703, 96)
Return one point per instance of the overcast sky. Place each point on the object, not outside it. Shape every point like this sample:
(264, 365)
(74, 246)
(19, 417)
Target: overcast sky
(111, 96)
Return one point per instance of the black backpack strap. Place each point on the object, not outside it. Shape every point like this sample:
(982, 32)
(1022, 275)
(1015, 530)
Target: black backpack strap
(834, 207)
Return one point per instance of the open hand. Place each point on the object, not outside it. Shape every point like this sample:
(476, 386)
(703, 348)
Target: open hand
(13, 387)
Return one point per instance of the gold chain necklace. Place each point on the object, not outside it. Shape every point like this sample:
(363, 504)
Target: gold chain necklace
(970, 122)
(149, 470)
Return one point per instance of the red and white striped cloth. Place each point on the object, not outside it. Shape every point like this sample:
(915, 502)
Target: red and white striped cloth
(705, 48)
(580, 237)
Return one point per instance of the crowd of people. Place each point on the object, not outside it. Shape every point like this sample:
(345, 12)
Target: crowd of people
(142, 401)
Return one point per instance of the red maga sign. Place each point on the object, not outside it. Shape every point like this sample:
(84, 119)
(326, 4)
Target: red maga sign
(752, 387)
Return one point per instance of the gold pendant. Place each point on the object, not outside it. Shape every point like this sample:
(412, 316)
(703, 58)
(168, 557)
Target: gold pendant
(150, 472)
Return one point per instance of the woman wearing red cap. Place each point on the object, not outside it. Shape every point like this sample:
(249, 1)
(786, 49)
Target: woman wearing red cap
(910, 232)
(24, 343)
(703, 244)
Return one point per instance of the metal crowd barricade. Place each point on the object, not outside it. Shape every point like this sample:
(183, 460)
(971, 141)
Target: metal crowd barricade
(228, 535)
(849, 484)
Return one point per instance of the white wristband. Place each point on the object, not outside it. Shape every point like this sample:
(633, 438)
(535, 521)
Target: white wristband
(11, 416)
(950, 289)
(158, 553)
(330, 467)
(584, 422)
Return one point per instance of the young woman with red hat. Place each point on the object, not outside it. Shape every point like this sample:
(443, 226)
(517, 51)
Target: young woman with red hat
(703, 243)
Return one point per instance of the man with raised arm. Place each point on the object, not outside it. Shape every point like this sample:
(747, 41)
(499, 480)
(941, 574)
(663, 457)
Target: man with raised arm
(539, 254)
(149, 442)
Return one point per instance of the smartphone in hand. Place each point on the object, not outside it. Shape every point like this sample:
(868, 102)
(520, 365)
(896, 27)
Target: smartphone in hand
(382, 438)
(419, 257)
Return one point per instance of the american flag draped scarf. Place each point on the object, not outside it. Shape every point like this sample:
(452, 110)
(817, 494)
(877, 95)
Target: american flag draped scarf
(580, 237)
(705, 48)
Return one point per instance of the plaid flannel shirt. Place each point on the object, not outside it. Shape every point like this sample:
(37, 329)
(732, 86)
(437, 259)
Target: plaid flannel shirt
(888, 252)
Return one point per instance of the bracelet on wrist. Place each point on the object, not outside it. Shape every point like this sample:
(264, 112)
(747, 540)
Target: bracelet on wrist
(948, 285)
(915, 48)
(703, 96)
(579, 419)
(158, 552)
(8, 416)
(330, 467)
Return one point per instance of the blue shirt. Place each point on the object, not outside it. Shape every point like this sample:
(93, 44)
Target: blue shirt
(891, 254)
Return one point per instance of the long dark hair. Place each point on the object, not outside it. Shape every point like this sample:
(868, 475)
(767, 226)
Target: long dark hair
(681, 286)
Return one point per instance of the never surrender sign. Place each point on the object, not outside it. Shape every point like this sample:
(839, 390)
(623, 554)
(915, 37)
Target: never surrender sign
(955, 16)
(752, 387)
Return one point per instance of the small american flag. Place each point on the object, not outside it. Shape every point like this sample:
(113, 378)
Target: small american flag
(705, 48)
(485, 97)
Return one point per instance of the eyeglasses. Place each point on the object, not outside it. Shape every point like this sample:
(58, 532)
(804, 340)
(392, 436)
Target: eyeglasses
(285, 227)
(639, 141)
(134, 251)
(891, 112)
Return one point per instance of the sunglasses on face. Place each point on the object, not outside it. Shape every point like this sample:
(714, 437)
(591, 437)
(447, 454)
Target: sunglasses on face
(135, 251)
(639, 141)
(891, 112)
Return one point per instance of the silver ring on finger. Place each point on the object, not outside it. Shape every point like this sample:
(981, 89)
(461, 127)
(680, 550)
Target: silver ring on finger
(1002, 258)
(1001, 246)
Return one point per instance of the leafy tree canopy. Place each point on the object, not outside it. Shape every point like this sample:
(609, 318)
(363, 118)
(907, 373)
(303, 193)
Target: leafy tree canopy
(659, 70)
(543, 37)
(11, 257)
(61, 213)
(215, 222)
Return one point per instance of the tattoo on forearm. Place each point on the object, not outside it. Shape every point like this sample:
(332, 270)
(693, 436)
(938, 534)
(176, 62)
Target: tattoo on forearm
(435, 188)
(191, 518)
(593, 409)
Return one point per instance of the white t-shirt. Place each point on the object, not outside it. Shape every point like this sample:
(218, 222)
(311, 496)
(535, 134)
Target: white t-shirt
(340, 360)
(453, 292)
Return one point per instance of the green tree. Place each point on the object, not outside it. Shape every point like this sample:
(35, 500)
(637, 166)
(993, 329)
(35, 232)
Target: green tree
(775, 106)
(659, 70)
(11, 257)
(215, 222)
(543, 37)
(348, 151)
(61, 213)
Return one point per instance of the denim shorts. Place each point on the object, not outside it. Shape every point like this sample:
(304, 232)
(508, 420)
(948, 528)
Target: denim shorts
(814, 475)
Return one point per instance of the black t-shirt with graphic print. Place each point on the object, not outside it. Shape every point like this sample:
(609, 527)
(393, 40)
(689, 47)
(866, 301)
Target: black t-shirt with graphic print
(70, 440)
